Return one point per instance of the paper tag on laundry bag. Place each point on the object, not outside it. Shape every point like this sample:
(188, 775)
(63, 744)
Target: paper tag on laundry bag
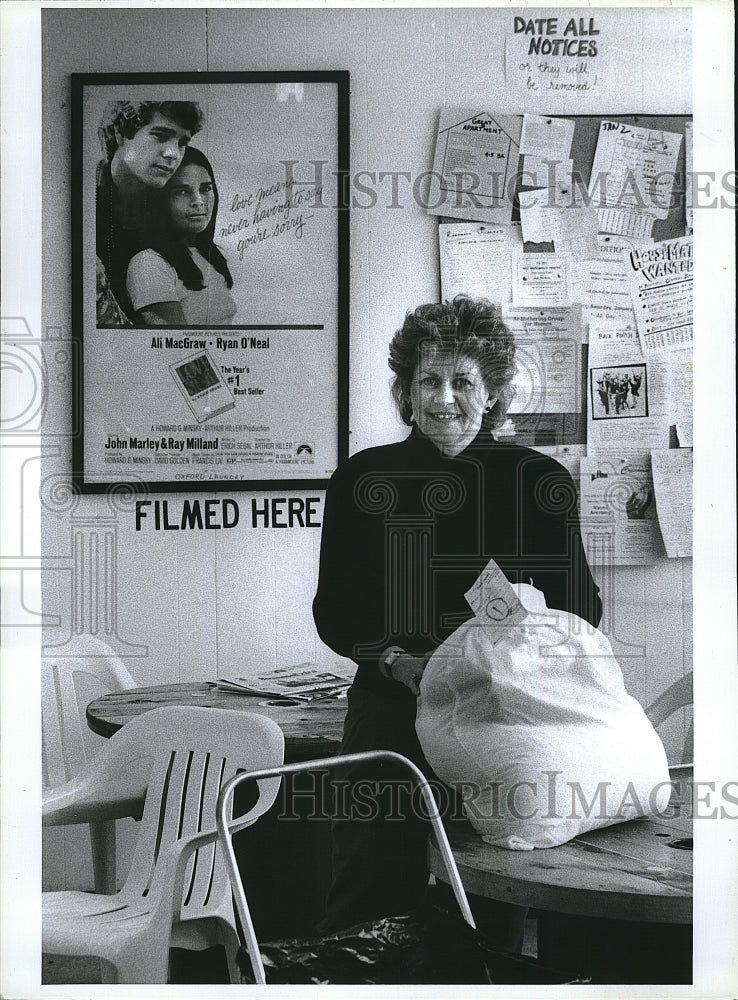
(493, 600)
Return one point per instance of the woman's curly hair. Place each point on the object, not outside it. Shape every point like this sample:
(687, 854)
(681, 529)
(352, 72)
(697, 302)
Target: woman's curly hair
(128, 117)
(469, 327)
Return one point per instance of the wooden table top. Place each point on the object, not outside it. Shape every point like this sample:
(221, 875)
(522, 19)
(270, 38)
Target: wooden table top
(638, 871)
(310, 730)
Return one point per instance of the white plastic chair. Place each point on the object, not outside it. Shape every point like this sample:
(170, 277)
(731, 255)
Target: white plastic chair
(677, 695)
(226, 828)
(177, 893)
(85, 669)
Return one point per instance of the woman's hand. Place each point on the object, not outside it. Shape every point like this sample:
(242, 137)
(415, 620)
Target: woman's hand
(408, 670)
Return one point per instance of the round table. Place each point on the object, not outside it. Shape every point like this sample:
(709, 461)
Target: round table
(614, 903)
(312, 729)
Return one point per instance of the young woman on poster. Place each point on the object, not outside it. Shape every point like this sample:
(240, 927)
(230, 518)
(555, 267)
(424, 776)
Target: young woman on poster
(182, 277)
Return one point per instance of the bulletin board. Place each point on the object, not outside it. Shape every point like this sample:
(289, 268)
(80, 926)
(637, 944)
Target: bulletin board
(549, 429)
(584, 144)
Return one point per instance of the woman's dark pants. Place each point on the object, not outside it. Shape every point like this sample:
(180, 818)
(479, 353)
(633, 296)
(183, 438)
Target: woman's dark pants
(380, 830)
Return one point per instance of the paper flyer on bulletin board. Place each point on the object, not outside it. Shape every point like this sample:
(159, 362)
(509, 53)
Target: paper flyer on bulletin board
(475, 151)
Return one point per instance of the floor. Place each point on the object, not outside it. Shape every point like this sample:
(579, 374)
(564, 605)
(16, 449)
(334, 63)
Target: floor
(65, 970)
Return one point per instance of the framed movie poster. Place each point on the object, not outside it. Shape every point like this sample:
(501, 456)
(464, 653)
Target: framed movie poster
(210, 279)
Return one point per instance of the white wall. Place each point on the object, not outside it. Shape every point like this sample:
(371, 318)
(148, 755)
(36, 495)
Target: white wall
(204, 604)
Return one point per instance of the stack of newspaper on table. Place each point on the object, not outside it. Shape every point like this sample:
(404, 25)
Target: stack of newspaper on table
(302, 682)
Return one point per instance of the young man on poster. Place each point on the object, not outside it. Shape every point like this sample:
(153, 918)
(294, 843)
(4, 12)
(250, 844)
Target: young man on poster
(143, 143)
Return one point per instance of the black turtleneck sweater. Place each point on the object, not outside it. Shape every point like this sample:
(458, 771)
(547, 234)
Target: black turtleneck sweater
(406, 532)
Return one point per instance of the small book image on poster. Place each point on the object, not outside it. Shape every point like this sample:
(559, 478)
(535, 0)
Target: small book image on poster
(202, 386)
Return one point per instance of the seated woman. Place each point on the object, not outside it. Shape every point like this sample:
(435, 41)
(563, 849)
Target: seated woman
(182, 278)
(407, 529)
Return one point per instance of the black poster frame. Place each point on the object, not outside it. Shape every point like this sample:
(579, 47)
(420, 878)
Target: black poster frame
(339, 202)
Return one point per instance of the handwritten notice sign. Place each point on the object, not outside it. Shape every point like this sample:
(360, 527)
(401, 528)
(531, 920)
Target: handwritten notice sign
(550, 55)
(210, 279)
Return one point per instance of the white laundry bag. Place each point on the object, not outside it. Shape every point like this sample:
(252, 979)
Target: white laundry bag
(533, 725)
